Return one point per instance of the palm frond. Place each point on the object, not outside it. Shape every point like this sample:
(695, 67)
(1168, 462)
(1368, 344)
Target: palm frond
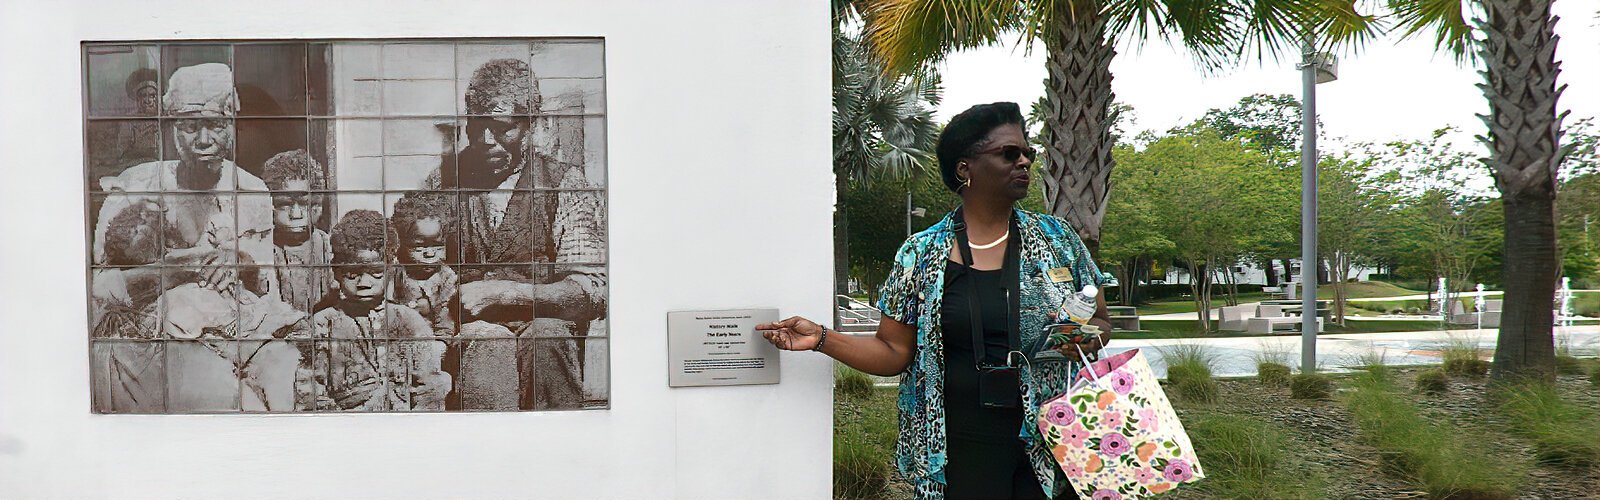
(911, 34)
(1447, 19)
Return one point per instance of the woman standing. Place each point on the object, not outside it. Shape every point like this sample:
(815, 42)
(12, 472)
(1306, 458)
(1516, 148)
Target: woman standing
(963, 317)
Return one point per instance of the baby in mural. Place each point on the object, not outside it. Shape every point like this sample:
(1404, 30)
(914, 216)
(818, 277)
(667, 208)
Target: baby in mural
(378, 354)
(222, 355)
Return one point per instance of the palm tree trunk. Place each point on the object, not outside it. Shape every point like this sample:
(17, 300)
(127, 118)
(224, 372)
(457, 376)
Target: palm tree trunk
(1077, 128)
(1524, 134)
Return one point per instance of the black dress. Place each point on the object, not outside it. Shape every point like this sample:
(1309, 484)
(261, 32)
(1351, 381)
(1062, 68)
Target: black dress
(985, 457)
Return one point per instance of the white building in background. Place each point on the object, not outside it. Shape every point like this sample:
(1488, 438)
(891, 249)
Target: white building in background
(1248, 273)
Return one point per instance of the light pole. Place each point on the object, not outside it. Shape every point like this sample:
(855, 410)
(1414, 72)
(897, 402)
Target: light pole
(1314, 69)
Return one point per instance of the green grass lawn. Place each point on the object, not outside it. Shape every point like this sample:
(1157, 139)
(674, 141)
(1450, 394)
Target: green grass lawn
(1365, 289)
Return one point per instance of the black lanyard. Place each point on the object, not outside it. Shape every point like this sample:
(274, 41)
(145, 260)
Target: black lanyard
(1010, 282)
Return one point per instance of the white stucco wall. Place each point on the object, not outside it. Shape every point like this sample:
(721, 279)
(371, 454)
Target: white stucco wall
(720, 197)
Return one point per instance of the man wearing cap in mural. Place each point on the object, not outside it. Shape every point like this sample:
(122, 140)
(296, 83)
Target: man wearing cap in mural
(508, 150)
(206, 229)
(139, 141)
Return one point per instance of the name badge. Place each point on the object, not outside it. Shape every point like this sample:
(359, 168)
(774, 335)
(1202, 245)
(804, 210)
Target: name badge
(1060, 275)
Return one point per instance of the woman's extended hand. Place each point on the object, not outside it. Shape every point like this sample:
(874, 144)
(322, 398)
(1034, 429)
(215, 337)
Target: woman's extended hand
(793, 334)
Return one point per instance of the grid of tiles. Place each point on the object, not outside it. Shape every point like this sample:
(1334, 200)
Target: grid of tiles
(334, 226)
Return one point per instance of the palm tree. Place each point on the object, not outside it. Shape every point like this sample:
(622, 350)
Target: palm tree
(1515, 41)
(1079, 38)
(883, 125)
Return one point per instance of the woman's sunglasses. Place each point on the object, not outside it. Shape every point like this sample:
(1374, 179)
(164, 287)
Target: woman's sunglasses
(1011, 152)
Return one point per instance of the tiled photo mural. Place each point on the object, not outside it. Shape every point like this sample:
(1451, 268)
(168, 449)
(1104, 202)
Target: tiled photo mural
(346, 226)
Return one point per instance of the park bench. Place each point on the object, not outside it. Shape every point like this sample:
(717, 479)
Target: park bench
(1124, 318)
(1232, 318)
(1271, 324)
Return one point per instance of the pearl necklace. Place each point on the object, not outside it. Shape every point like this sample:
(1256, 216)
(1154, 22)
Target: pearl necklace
(991, 244)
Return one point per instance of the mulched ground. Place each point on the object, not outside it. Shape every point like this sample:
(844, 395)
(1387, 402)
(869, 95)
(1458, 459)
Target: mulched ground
(1324, 436)
(1327, 434)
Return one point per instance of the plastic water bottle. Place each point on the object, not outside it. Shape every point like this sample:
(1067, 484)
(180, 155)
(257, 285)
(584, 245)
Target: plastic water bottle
(1080, 306)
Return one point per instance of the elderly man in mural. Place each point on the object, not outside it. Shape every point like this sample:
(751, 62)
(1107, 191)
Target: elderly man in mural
(509, 154)
(207, 230)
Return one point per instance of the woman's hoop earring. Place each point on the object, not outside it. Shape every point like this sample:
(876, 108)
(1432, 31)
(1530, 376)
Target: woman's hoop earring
(965, 183)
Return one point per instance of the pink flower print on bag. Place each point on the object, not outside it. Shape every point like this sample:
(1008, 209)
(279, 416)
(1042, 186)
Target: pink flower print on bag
(1113, 419)
(1144, 475)
(1060, 413)
(1114, 445)
(1073, 469)
(1178, 471)
(1148, 421)
(1121, 382)
(1075, 435)
(1105, 495)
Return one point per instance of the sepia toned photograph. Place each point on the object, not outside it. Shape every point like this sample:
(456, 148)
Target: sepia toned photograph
(346, 226)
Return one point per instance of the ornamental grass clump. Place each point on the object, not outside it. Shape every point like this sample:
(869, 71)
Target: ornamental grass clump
(1433, 381)
(864, 432)
(1189, 372)
(1446, 463)
(851, 383)
(1463, 358)
(1310, 386)
(1569, 365)
(1272, 374)
(1246, 457)
(1563, 432)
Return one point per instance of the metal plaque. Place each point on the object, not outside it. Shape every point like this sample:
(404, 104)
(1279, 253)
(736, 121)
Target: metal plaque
(720, 348)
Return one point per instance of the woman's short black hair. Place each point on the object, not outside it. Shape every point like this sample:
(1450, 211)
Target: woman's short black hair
(963, 135)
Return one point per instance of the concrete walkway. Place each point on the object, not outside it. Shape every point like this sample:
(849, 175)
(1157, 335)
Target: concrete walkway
(1251, 313)
(1237, 356)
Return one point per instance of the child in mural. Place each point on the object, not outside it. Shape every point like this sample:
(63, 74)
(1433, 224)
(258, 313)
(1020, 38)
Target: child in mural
(223, 355)
(424, 221)
(301, 252)
(358, 366)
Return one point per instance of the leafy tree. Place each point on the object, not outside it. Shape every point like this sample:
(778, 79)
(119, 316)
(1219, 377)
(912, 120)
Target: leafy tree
(1349, 213)
(1445, 222)
(1271, 125)
(1204, 194)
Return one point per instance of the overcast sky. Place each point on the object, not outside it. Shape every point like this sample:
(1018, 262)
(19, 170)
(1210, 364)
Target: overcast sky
(1390, 90)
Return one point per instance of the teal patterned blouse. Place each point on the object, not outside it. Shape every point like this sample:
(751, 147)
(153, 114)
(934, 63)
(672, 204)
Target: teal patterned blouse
(912, 295)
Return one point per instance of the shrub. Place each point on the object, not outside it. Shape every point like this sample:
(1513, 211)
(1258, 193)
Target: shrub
(1272, 374)
(1245, 458)
(1439, 457)
(1189, 372)
(1562, 432)
(1433, 381)
(851, 383)
(1310, 386)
